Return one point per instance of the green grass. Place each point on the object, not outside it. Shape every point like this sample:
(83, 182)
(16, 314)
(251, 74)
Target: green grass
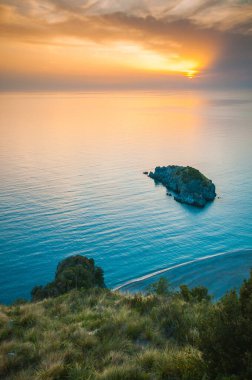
(97, 334)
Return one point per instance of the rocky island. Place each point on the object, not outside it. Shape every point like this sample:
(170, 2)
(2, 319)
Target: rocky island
(189, 185)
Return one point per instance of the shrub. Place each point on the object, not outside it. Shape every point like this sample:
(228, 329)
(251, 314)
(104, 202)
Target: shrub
(226, 339)
(197, 294)
(75, 272)
(161, 288)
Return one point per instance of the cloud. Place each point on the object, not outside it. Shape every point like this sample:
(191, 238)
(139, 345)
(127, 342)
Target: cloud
(98, 21)
(105, 18)
(219, 14)
(217, 34)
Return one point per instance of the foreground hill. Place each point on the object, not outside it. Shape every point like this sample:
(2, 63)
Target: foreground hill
(99, 334)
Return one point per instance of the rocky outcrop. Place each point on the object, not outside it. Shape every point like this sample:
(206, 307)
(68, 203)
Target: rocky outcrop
(189, 185)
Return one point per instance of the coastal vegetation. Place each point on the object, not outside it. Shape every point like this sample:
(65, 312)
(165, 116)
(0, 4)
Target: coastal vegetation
(76, 272)
(89, 332)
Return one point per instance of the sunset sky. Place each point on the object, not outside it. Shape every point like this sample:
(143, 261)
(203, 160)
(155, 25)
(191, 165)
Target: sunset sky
(113, 44)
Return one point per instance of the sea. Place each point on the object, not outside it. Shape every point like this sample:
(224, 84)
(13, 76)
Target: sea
(72, 183)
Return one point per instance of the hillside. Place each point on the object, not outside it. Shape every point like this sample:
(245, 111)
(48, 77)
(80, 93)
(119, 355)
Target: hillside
(99, 334)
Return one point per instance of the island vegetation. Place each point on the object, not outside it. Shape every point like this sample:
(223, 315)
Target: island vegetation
(80, 330)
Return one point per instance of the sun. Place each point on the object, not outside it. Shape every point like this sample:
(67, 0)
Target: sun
(191, 74)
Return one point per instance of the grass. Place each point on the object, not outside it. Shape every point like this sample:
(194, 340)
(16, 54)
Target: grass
(97, 334)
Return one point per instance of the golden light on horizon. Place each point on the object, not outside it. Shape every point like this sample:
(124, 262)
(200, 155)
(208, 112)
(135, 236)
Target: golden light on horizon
(69, 57)
(136, 56)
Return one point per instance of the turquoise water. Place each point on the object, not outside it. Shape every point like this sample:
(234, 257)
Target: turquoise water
(218, 272)
(71, 182)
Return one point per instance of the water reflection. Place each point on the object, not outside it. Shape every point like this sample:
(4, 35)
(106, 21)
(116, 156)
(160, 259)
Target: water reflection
(71, 181)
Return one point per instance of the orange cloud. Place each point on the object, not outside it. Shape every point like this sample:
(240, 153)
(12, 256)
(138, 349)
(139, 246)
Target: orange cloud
(107, 40)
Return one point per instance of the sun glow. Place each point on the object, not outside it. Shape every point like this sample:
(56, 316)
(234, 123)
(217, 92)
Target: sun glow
(71, 60)
(190, 74)
(146, 60)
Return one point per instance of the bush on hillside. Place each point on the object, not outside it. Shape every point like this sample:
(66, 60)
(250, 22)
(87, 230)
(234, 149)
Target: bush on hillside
(75, 272)
(197, 294)
(160, 288)
(226, 335)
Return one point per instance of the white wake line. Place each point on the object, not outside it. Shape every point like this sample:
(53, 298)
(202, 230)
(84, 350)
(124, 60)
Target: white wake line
(153, 274)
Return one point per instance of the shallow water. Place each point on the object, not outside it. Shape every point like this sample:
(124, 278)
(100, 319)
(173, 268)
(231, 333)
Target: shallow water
(219, 273)
(71, 182)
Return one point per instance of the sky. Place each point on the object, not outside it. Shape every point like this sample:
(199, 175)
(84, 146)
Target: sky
(125, 44)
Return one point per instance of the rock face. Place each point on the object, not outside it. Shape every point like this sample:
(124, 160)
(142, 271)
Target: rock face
(189, 185)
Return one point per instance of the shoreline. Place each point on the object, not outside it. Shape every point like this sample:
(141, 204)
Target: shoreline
(134, 284)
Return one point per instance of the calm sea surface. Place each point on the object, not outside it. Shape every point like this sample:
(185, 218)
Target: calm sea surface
(71, 183)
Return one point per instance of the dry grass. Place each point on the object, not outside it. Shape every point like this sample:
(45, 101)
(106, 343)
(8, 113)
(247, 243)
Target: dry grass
(100, 335)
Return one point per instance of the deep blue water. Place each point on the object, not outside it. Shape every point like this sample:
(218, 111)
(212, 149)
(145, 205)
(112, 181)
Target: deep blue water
(71, 182)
